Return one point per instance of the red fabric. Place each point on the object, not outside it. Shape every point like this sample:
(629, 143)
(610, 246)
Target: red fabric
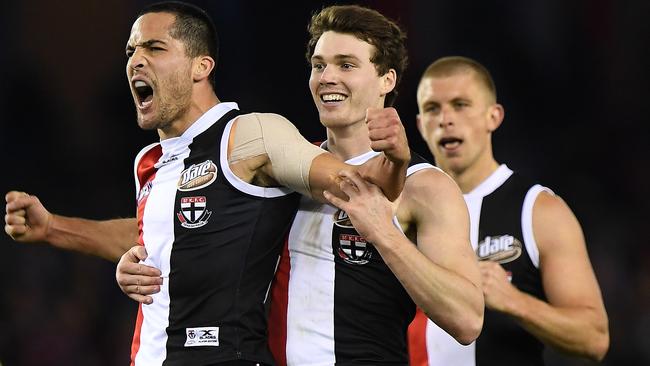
(278, 310)
(417, 340)
(146, 173)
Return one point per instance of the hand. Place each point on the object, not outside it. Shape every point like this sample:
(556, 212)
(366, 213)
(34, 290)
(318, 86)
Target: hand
(26, 219)
(135, 279)
(498, 292)
(369, 210)
(387, 134)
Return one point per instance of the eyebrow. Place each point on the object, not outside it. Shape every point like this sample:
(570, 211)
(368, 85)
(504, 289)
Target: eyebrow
(145, 44)
(339, 57)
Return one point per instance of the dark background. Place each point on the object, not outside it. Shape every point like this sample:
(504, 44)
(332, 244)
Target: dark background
(572, 76)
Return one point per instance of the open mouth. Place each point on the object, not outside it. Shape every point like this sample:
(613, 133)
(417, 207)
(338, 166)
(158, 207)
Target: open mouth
(144, 92)
(450, 142)
(333, 97)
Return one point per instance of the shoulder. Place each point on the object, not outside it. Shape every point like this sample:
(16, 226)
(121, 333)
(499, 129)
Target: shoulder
(554, 224)
(256, 117)
(429, 183)
(430, 194)
(550, 207)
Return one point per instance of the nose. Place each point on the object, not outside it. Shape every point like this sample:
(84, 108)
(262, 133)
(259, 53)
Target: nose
(136, 61)
(445, 118)
(327, 76)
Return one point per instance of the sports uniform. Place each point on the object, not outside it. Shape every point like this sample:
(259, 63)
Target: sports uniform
(334, 300)
(500, 211)
(216, 240)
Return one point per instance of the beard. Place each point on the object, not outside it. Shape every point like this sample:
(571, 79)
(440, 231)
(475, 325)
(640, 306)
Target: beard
(172, 101)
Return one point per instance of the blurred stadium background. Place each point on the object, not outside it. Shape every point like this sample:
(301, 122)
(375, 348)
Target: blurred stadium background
(573, 77)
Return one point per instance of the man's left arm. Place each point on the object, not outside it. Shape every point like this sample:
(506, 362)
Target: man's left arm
(574, 319)
(441, 273)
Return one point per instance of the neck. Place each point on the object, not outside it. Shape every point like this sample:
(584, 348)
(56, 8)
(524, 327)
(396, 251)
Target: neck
(470, 177)
(348, 141)
(197, 107)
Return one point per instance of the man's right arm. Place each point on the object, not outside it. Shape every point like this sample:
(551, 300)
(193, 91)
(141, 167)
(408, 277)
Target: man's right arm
(28, 221)
(296, 163)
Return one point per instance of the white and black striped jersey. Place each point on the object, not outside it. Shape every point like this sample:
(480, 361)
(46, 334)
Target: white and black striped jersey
(501, 230)
(335, 301)
(216, 240)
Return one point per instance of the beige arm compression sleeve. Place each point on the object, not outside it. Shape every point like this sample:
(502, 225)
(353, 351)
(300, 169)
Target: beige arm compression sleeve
(290, 154)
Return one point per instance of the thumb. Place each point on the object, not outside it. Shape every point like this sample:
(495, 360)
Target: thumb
(139, 252)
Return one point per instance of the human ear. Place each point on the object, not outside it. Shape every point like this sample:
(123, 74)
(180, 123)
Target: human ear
(389, 80)
(202, 67)
(496, 115)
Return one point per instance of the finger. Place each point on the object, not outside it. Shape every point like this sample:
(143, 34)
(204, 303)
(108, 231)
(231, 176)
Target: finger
(15, 230)
(383, 145)
(126, 279)
(19, 203)
(141, 298)
(137, 269)
(380, 134)
(141, 290)
(335, 200)
(355, 179)
(14, 195)
(133, 255)
(15, 218)
(140, 252)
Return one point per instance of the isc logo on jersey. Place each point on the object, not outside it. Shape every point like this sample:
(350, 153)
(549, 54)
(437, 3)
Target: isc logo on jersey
(347, 243)
(501, 249)
(197, 176)
(202, 336)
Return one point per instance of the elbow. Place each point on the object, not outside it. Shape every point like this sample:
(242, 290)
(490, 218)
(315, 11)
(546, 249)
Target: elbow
(599, 347)
(471, 330)
(467, 328)
(471, 325)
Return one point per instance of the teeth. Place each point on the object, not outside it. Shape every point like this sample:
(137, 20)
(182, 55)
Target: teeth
(333, 97)
(139, 84)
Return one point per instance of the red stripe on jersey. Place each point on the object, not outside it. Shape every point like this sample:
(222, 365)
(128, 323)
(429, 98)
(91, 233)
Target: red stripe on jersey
(135, 345)
(146, 169)
(278, 310)
(417, 338)
(146, 173)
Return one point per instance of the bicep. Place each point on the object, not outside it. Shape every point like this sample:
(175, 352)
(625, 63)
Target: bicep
(287, 155)
(442, 223)
(567, 274)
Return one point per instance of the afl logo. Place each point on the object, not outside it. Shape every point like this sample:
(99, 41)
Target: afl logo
(197, 176)
(500, 249)
(351, 247)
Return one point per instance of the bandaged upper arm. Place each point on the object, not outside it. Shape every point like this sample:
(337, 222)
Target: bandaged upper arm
(290, 154)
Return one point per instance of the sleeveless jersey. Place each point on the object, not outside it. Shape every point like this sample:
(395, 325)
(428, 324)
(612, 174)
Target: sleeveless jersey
(216, 240)
(335, 301)
(501, 230)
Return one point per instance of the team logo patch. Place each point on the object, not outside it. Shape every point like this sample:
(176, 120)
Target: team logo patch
(193, 212)
(501, 249)
(202, 336)
(347, 243)
(197, 176)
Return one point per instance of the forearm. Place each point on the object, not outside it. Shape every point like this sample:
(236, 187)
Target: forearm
(452, 301)
(578, 331)
(108, 239)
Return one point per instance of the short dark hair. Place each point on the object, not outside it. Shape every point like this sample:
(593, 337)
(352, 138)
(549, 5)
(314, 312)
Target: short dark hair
(367, 25)
(192, 26)
(452, 65)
